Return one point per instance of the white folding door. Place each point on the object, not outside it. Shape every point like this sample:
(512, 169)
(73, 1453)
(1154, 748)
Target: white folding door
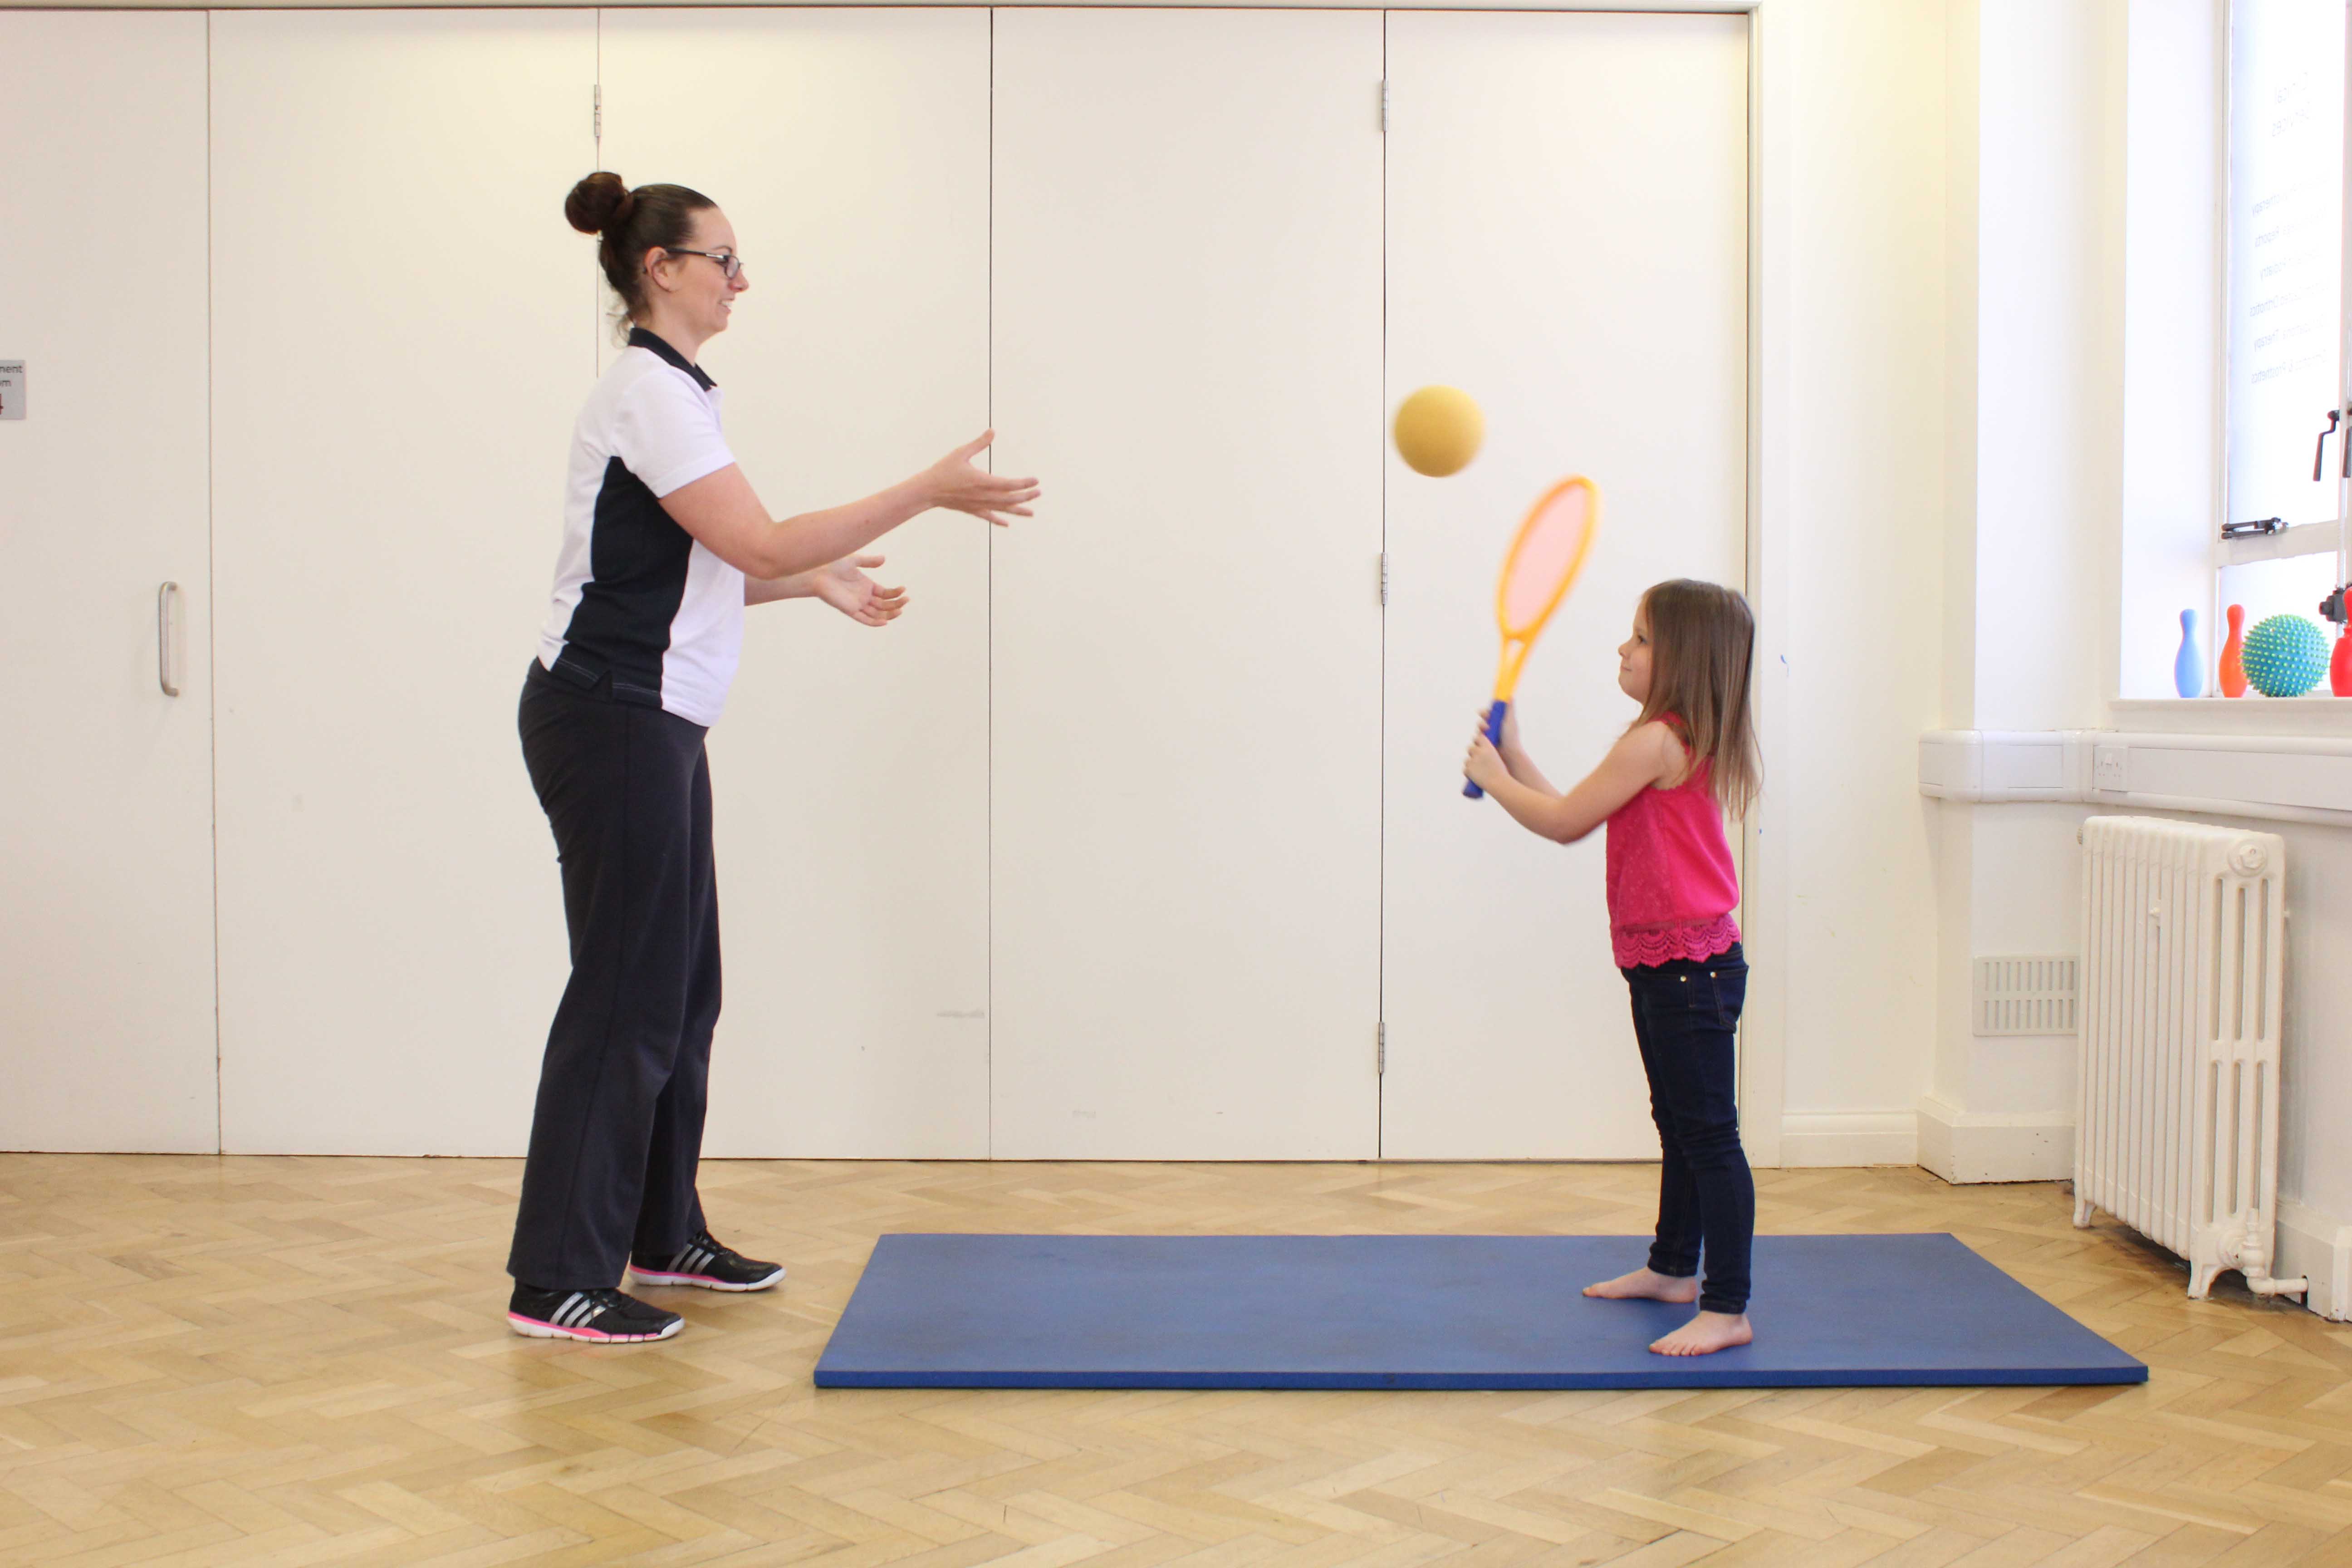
(848, 147)
(402, 331)
(1185, 668)
(1102, 849)
(1567, 240)
(106, 926)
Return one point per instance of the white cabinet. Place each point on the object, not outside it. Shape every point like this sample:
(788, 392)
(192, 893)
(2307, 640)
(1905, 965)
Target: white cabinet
(1119, 843)
(849, 148)
(1185, 662)
(106, 923)
(403, 329)
(1567, 239)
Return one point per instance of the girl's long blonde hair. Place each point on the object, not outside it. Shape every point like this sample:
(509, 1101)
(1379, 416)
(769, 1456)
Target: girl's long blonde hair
(1702, 648)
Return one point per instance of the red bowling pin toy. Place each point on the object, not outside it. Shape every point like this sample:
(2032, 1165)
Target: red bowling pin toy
(2340, 663)
(2233, 668)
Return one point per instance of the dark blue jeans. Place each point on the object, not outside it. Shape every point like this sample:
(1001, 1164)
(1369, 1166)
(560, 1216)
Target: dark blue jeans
(1685, 1015)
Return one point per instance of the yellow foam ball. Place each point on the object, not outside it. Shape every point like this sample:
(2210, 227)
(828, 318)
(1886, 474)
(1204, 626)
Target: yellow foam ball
(1438, 430)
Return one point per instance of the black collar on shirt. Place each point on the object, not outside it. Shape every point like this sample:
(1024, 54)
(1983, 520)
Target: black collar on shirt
(641, 338)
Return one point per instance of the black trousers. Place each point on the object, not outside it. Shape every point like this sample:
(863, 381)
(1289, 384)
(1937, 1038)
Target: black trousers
(618, 1128)
(1685, 1015)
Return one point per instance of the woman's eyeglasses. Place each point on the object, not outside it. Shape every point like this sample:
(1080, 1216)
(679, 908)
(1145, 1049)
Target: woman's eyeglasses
(728, 262)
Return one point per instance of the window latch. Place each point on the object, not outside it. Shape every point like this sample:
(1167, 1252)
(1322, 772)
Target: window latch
(2261, 525)
(2319, 452)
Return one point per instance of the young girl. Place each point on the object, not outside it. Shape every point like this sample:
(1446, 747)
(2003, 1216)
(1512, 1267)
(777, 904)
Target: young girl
(1663, 790)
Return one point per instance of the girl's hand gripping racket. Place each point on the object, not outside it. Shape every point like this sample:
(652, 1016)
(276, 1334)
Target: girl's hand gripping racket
(1537, 575)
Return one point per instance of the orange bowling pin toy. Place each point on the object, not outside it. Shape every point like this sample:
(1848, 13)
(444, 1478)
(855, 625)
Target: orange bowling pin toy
(2233, 669)
(2340, 662)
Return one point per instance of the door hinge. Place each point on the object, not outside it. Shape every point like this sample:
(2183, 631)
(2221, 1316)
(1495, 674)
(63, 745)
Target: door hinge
(1384, 578)
(596, 110)
(1384, 108)
(1381, 1055)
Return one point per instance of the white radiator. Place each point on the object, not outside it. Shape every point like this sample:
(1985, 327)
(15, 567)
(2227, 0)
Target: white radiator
(2183, 949)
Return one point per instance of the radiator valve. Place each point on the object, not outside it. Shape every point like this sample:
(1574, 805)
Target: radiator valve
(2243, 1250)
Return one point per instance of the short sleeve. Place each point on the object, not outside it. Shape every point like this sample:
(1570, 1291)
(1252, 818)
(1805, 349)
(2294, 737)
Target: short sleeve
(668, 434)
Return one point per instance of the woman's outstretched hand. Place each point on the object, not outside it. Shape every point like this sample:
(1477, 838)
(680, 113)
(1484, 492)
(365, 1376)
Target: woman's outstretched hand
(955, 484)
(845, 587)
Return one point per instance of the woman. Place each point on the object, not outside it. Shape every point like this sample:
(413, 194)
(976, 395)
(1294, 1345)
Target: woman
(664, 545)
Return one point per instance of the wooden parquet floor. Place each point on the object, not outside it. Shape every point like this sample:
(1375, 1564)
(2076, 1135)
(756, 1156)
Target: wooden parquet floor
(303, 1361)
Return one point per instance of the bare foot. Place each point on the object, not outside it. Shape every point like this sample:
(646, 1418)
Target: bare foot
(1643, 1285)
(1707, 1332)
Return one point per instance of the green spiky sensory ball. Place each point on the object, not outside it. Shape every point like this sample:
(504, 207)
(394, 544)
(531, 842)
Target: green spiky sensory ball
(2285, 656)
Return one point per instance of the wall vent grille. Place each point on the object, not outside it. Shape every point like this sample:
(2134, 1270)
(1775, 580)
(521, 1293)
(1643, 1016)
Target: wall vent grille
(2025, 995)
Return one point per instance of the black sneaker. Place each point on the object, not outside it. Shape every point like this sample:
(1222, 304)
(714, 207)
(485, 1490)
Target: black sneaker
(606, 1316)
(705, 1262)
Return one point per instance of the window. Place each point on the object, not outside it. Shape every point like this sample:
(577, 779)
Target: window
(2286, 385)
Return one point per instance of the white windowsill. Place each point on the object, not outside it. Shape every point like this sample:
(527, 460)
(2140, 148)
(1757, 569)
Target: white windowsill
(2251, 702)
(2321, 717)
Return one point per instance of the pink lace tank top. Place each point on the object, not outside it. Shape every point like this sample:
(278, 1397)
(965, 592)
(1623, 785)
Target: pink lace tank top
(1672, 881)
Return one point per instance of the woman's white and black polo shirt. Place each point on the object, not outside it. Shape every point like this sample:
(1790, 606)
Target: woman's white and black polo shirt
(637, 597)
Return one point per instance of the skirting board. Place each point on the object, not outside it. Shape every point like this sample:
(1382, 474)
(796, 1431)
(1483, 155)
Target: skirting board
(1817, 1138)
(2319, 1247)
(1964, 1146)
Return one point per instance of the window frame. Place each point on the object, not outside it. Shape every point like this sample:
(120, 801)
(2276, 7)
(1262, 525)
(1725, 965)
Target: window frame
(2299, 540)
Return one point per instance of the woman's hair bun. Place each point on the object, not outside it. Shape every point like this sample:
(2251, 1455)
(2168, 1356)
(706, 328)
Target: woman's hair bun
(599, 203)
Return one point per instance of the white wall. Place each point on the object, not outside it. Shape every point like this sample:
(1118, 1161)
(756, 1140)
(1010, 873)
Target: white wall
(2082, 522)
(1863, 533)
(2003, 1108)
(2314, 1068)
(2035, 444)
(2174, 181)
(2049, 445)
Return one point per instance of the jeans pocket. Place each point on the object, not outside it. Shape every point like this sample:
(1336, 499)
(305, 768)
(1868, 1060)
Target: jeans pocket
(1727, 990)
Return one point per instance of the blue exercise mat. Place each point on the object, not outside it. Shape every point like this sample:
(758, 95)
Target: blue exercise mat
(1432, 1311)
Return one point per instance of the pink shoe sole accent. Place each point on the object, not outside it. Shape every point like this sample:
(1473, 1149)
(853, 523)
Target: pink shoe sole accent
(539, 1329)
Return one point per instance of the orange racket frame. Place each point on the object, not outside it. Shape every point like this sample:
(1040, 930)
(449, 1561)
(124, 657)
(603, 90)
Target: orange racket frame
(1518, 640)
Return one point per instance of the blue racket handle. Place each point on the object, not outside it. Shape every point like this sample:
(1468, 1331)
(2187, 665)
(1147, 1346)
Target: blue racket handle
(1494, 733)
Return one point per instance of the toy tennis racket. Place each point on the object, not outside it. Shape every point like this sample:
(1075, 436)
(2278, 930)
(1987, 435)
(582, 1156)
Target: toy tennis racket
(1537, 575)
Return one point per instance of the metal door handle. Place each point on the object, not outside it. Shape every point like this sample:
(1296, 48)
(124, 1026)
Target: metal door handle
(166, 598)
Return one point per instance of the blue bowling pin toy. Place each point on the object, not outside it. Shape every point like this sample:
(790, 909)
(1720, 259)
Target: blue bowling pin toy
(2188, 664)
